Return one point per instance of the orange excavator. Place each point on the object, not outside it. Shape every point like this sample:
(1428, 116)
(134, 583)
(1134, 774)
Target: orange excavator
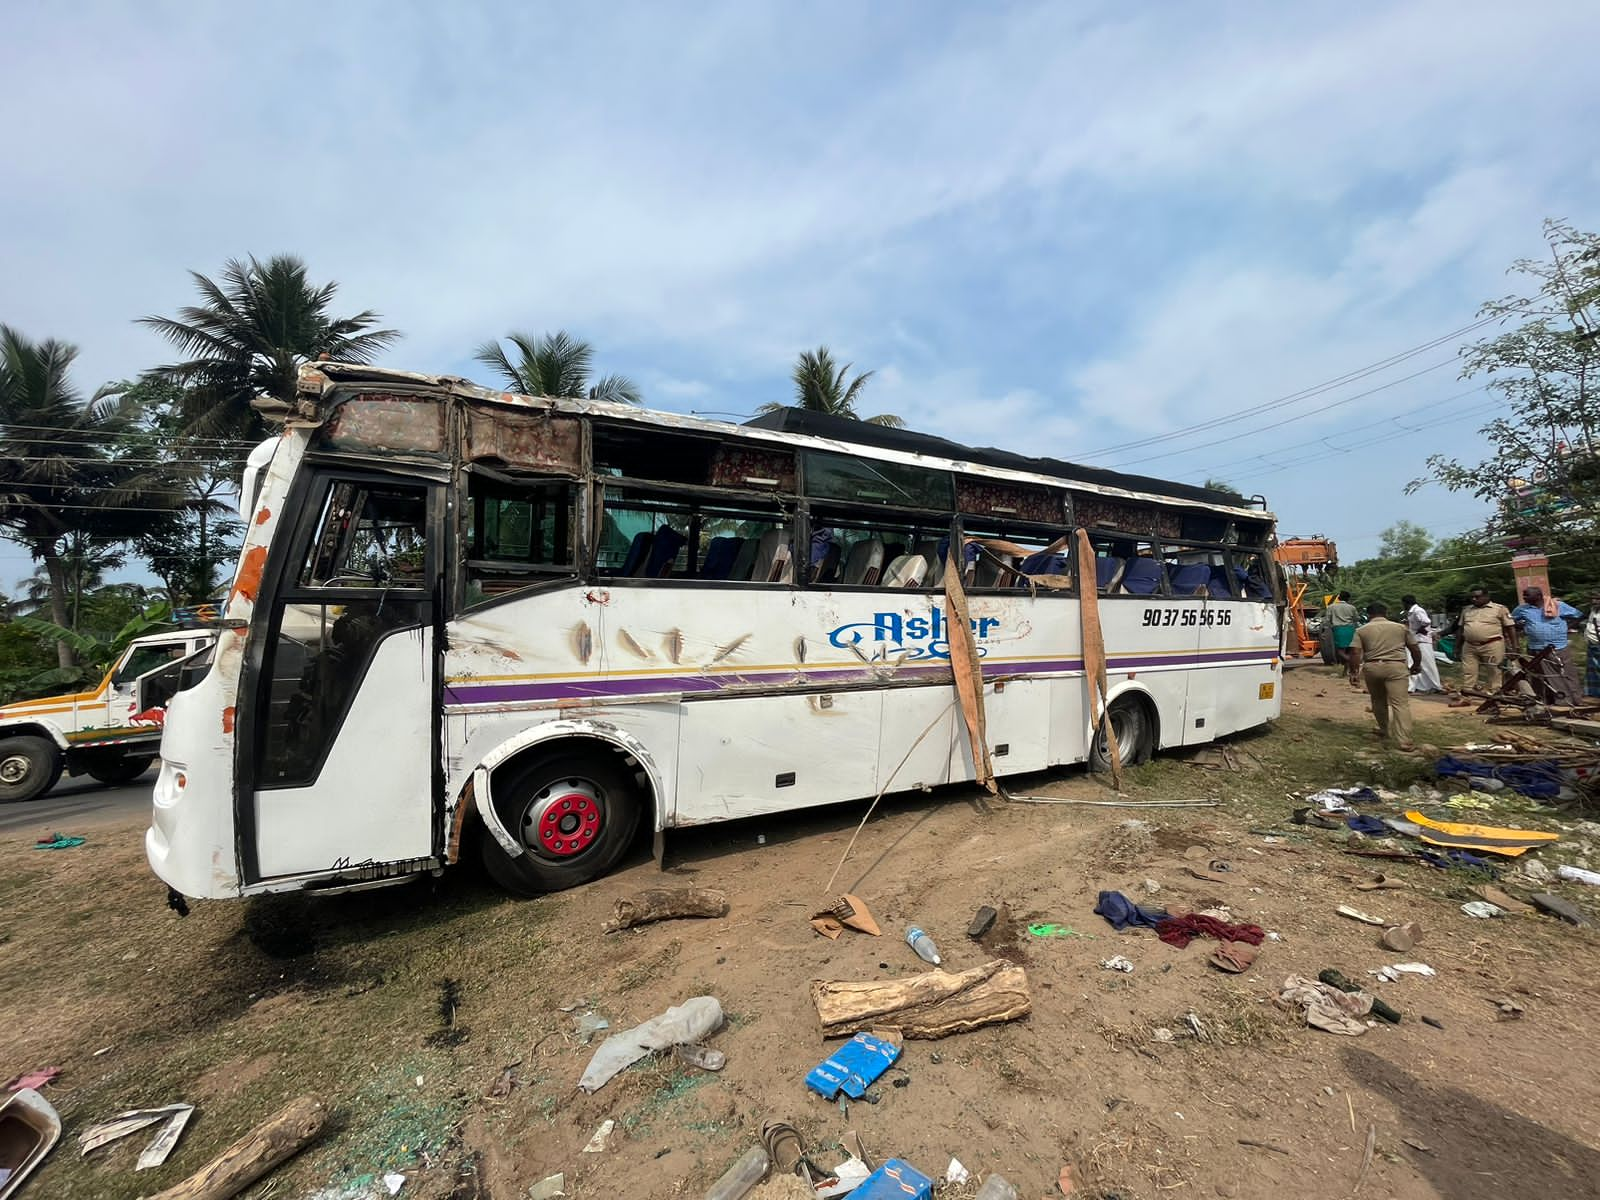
(1299, 557)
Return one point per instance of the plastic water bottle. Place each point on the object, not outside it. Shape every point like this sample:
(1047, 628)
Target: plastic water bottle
(923, 945)
(741, 1178)
(996, 1188)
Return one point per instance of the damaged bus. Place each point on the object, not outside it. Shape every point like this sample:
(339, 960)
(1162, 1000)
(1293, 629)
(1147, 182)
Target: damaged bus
(542, 626)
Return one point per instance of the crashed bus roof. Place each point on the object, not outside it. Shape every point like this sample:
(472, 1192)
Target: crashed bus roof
(791, 426)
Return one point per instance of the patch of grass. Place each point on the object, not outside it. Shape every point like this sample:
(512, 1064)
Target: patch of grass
(646, 969)
(676, 1083)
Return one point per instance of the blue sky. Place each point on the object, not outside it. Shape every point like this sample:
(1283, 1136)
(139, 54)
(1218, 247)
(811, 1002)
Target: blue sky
(1055, 228)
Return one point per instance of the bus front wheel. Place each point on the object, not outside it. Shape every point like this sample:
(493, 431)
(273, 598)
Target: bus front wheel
(575, 815)
(29, 767)
(1135, 736)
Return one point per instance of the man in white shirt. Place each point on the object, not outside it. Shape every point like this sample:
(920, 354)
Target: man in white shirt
(1421, 627)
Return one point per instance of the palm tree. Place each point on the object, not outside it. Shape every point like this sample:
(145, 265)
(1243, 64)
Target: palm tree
(254, 328)
(62, 486)
(556, 364)
(819, 386)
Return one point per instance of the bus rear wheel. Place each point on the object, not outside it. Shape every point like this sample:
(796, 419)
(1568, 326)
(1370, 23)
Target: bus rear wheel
(575, 815)
(29, 767)
(1135, 736)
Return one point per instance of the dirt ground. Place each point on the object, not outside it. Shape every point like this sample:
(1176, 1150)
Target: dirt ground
(403, 1009)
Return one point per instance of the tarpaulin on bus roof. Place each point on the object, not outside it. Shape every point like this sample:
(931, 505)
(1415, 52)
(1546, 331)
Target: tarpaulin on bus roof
(814, 424)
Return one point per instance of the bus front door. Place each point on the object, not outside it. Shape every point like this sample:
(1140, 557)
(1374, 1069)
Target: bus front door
(341, 745)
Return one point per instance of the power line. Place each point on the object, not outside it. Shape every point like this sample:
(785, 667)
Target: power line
(1234, 437)
(1304, 393)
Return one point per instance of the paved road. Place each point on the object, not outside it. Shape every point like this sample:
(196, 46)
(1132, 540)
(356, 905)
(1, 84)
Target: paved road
(76, 801)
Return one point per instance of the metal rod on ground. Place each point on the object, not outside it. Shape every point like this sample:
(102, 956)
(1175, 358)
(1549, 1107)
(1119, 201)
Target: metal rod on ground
(839, 866)
(1110, 803)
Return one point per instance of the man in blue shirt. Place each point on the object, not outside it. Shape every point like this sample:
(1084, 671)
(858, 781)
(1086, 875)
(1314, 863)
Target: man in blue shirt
(1545, 624)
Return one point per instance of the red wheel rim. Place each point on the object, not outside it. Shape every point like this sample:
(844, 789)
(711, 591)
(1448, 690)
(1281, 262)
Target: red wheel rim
(565, 819)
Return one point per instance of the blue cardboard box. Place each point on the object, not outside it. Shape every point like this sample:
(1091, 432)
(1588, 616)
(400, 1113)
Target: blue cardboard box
(853, 1067)
(895, 1180)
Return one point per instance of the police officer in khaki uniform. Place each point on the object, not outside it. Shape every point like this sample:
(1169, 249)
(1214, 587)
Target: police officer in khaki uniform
(1379, 655)
(1486, 630)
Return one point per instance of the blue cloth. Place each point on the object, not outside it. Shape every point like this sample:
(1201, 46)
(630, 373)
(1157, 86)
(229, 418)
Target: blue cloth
(1122, 912)
(1459, 858)
(1541, 780)
(1542, 631)
(1367, 825)
(895, 1180)
(853, 1067)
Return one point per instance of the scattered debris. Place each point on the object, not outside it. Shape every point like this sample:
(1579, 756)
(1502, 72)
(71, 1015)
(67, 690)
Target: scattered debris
(1557, 907)
(501, 1088)
(254, 1155)
(32, 1079)
(588, 1024)
(1489, 839)
(930, 1005)
(1180, 931)
(923, 945)
(1161, 1034)
(666, 904)
(1234, 957)
(59, 841)
(1117, 963)
(1400, 938)
(448, 1033)
(1355, 914)
(1509, 1009)
(1366, 1157)
(174, 1116)
(1504, 900)
(1050, 930)
(1579, 875)
(1151, 887)
(1262, 1145)
(600, 1141)
(1122, 912)
(29, 1130)
(394, 1181)
(688, 1022)
(1393, 972)
(895, 1180)
(1336, 979)
(996, 1188)
(704, 1057)
(1328, 1008)
(1064, 1179)
(853, 1067)
(982, 922)
(1483, 909)
(749, 1169)
(956, 1173)
(848, 1176)
(1434, 1021)
(549, 1188)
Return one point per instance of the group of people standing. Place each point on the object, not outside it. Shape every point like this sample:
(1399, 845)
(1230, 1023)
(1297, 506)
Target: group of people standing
(1392, 659)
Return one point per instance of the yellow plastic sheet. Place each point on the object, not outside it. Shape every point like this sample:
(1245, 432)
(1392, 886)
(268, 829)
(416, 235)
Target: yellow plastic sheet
(1488, 838)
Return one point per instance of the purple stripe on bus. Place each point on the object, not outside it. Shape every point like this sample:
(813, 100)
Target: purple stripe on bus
(598, 689)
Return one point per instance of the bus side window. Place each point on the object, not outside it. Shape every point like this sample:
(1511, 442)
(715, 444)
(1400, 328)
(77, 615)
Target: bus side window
(1009, 558)
(370, 536)
(1250, 575)
(518, 533)
(740, 546)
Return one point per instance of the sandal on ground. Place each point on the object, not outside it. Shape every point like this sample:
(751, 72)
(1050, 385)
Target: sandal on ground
(783, 1146)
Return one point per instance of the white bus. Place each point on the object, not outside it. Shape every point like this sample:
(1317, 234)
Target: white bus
(544, 625)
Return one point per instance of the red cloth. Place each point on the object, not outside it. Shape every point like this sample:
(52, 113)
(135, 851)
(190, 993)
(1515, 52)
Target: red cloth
(1180, 931)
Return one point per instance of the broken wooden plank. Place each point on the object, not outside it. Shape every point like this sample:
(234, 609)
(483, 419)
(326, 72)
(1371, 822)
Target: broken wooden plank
(253, 1155)
(667, 904)
(1576, 725)
(930, 1005)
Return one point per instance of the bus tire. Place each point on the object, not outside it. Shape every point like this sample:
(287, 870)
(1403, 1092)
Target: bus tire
(29, 767)
(574, 813)
(1135, 735)
(121, 768)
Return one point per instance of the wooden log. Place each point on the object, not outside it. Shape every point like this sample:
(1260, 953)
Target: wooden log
(253, 1155)
(931, 1005)
(667, 904)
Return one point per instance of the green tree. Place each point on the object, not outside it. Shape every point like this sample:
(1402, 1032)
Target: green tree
(1542, 469)
(66, 482)
(1405, 540)
(1227, 489)
(256, 324)
(823, 385)
(555, 364)
(188, 545)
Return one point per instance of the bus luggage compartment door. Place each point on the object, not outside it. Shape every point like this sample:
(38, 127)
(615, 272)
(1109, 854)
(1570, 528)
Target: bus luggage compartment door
(739, 756)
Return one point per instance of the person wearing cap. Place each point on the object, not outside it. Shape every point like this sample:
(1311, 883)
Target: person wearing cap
(1486, 631)
(1545, 622)
(1379, 655)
